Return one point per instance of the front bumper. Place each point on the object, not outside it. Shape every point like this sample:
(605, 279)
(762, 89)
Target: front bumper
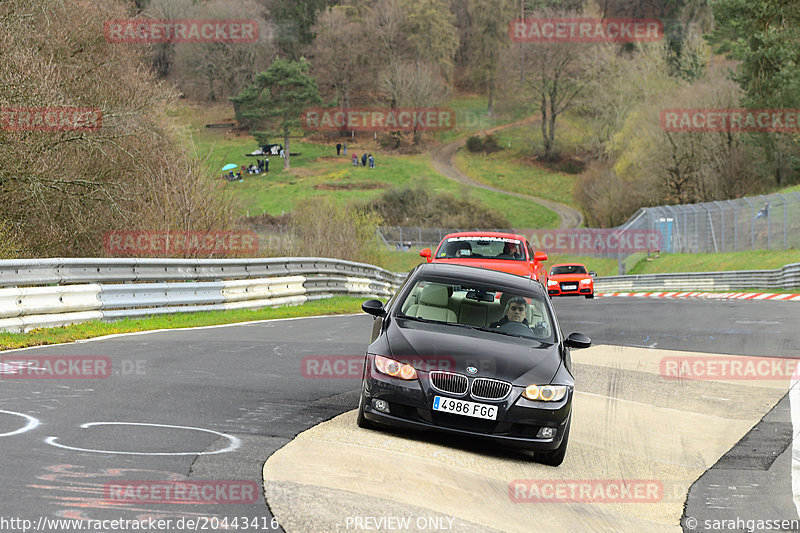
(582, 290)
(518, 419)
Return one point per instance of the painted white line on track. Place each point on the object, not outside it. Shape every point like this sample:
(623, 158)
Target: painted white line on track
(235, 443)
(32, 423)
(115, 335)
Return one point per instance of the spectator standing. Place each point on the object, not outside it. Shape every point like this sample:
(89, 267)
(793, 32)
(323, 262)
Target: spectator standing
(371, 161)
(364, 159)
(344, 148)
(266, 164)
(338, 148)
(355, 159)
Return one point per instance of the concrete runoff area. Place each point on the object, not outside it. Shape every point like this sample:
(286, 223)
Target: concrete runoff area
(629, 423)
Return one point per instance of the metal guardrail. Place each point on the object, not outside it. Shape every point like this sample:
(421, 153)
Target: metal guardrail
(71, 290)
(787, 277)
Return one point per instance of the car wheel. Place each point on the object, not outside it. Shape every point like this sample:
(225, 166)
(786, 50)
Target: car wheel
(556, 457)
(589, 296)
(360, 418)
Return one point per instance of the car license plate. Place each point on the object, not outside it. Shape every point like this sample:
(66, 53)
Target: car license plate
(569, 287)
(461, 407)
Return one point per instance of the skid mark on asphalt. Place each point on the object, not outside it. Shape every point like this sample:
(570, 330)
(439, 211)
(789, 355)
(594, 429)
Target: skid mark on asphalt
(629, 423)
(82, 494)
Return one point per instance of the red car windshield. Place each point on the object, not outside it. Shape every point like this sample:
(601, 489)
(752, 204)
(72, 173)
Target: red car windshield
(482, 248)
(567, 269)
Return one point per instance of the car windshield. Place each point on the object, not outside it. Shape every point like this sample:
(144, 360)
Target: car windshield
(567, 269)
(482, 248)
(480, 307)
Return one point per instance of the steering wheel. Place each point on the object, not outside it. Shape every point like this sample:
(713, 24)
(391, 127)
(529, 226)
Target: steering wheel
(517, 328)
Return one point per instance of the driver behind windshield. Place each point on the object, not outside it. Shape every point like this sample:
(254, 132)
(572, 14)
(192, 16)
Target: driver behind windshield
(516, 310)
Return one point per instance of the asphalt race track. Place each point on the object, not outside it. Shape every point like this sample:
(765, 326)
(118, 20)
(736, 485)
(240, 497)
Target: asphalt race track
(205, 408)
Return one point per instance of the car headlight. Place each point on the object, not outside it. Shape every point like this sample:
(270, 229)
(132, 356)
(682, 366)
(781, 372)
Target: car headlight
(545, 393)
(393, 368)
(585, 281)
(551, 282)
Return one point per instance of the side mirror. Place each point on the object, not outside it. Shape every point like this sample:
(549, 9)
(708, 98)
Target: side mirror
(374, 308)
(539, 256)
(593, 273)
(578, 340)
(426, 253)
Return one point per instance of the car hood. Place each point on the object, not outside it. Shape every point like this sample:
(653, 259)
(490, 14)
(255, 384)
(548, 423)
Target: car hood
(520, 268)
(447, 347)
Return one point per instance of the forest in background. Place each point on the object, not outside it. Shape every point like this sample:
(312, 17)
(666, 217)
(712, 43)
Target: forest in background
(60, 192)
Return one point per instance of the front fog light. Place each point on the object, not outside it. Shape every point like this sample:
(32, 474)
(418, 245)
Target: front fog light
(381, 405)
(546, 433)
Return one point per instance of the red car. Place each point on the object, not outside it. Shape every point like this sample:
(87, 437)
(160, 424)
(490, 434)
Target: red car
(570, 279)
(506, 252)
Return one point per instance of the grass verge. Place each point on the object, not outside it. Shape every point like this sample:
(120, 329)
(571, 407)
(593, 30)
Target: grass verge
(750, 260)
(332, 306)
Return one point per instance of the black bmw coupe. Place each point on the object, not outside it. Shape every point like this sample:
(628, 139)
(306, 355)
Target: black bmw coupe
(474, 352)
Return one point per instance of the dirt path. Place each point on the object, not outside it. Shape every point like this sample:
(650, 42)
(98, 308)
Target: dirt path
(442, 159)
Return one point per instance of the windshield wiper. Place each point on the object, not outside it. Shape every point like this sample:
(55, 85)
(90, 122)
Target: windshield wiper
(424, 320)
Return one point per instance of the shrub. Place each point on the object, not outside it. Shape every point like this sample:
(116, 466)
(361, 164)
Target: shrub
(417, 206)
(320, 228)
(484, 145)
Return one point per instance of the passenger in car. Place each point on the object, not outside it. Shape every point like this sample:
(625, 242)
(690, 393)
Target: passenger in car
(516, 310)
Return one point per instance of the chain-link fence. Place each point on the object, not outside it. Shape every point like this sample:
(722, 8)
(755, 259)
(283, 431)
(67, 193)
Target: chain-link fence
(768, 222)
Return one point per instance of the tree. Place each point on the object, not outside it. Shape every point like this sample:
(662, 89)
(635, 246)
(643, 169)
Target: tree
(68, 188)
(686, 167)
(619, 82)
(432, 33)
(764, 36)
(555, 74)
(488, 35)
(163, 54)
(412, 84)
(295, 20)
(338, 57)
(216, 70)
(278, 97)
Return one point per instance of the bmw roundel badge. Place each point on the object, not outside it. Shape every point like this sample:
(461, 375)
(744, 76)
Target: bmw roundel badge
(472, 370)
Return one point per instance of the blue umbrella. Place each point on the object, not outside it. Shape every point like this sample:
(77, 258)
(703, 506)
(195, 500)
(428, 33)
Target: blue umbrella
(230, 166)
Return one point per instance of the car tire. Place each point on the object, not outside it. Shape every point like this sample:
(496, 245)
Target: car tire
(589, 296)
(361, 420)
(556, 457)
